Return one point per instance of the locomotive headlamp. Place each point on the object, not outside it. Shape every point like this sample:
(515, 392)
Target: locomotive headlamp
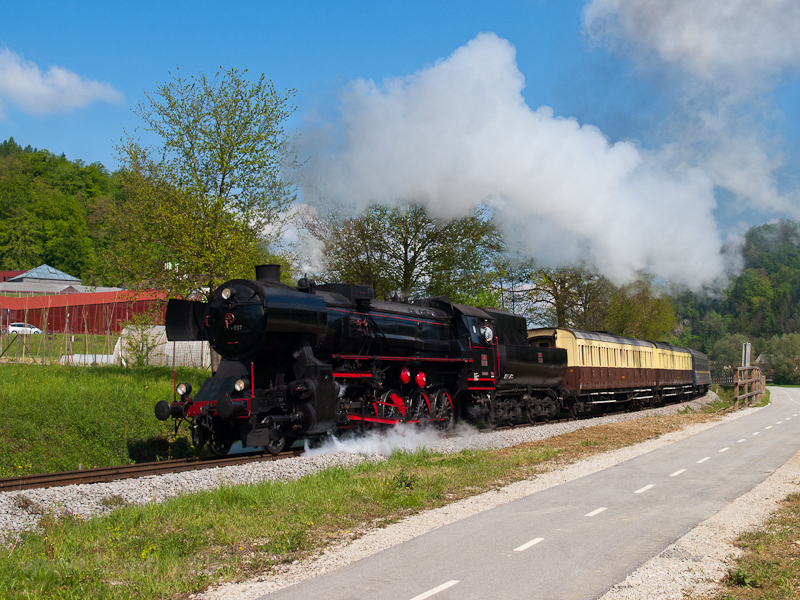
(226, 294)
(183, 389)
(487, 333)
(241, 385)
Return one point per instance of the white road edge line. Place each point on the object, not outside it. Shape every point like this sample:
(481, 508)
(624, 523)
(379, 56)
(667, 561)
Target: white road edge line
(702, 460)
(678, 472)
(596, 512)
(527, 545)
(644, 489)
(436, 590)
(725, 449)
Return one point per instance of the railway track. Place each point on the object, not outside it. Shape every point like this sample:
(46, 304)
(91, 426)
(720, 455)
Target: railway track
(106, 474)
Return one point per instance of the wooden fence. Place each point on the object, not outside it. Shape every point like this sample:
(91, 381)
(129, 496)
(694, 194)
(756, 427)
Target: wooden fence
(749, 382)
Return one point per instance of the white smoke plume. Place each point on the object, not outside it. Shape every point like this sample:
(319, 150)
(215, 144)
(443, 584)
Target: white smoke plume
(723, 58)
(459, 132)
(406, 438)
(738, 45)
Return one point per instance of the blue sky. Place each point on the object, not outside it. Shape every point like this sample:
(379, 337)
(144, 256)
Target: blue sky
(638, 111)
(313, 47)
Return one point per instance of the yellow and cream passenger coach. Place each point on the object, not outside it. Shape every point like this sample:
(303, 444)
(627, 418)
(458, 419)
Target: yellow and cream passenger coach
(604, 368)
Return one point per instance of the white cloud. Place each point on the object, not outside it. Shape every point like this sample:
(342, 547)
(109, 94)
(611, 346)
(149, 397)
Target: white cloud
(24, 85)
(459, 132)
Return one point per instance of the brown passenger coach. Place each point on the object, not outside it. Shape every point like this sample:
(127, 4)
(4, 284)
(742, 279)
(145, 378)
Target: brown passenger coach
(606, 369)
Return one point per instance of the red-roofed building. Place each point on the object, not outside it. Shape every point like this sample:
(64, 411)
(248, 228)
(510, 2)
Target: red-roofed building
(94, 313)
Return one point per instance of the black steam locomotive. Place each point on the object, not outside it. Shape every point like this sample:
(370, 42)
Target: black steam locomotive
(312, 360)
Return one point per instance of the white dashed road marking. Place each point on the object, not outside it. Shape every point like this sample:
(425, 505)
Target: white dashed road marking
(768, 427)
(436, 590)
(678, 472)
(756, 432)
(702, 460)
(725, 449)
(527, 545)
(740, 441)
(644, 489)
(596, 512)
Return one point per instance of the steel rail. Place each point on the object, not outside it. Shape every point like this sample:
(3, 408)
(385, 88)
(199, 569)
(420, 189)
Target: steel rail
(107, 474)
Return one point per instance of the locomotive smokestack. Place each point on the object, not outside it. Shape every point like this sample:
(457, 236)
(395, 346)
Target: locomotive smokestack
(268, 273)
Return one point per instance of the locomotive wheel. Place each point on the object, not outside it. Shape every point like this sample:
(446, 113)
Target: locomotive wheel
(278, 444)
(388, 405)
(531, 410)
(552, 410)
(417, 406)
(443, 408)
(278, 440)
(218, 445)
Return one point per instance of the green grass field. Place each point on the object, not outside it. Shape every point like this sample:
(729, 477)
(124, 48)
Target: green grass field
(61, 418)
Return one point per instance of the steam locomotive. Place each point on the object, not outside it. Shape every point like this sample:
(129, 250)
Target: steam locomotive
(311, 360)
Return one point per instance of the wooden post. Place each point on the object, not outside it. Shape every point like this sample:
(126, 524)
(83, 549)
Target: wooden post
(747, 386)
(736, 388)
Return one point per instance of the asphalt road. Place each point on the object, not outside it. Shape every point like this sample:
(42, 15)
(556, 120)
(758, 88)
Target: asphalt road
(576, 540)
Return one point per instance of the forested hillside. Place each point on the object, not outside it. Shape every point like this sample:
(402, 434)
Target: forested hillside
(54, 211)
(761, 304)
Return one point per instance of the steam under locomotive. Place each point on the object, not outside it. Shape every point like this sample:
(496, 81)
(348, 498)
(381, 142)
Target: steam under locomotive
(311, 360)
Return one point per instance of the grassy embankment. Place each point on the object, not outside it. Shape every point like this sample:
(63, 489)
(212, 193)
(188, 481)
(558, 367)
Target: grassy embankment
(65, 418)
(180, 547)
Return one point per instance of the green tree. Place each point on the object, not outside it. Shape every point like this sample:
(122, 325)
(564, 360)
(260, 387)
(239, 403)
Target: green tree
(782, 355)
(726, 353)
(638, 310)
(199, 207)
(403, 250)
(573, 296)
(44, 202)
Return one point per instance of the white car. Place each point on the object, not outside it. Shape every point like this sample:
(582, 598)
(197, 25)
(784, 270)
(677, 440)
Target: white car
(23, 328)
